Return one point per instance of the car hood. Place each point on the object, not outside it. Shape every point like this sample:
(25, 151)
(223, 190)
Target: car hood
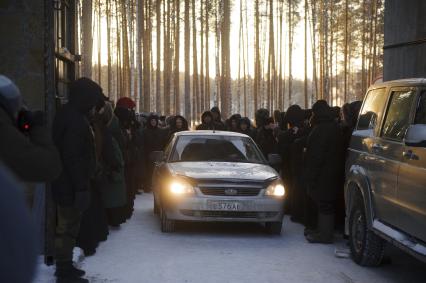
(223, 170)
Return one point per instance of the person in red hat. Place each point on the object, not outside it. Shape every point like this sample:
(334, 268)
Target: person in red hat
(126, 102)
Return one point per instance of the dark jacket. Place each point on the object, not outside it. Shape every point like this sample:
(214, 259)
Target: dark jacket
(74, 139)
(212, 125)
(237, 119)
(114, 188)
(249, 131)
(33, 158)
(323, 155)
(266, 141)
(153, 137)
(219, 124)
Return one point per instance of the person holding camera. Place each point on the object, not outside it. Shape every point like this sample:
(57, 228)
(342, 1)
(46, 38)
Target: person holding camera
(26, 147)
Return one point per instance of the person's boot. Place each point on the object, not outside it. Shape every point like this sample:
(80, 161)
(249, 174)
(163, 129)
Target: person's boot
(325, 230)
(68, 270)
(309, 230)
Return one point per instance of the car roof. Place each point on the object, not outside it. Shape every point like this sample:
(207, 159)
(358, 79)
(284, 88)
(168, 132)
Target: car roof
(210, 133)
(402, 83)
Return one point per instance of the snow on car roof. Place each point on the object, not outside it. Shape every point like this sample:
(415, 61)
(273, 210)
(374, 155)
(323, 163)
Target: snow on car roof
(207, 133)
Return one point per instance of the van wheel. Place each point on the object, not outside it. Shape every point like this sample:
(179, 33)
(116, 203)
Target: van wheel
(367, 248)
(274, 228)
(167, 225)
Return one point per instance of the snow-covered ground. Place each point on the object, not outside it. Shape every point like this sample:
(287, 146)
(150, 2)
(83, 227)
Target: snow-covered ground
(225, 252)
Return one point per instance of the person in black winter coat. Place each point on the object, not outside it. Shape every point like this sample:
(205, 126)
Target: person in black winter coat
(207, 122)
(73, 136)
(123, 137)
(217, 119)
(246, 128)
(295, 118)
(154, 139)
(323, 161)
(348, 122)
(94, 222)
(177, 124)
(233, 123)
(265, 138)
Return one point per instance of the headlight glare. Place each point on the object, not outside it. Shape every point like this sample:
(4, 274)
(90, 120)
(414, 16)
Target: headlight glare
(181, 188)
(276, 189)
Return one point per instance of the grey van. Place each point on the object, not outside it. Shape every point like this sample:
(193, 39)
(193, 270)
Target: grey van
(385, 187)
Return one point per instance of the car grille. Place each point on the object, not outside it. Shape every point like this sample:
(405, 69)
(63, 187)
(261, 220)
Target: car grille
(225, 191)
(229, 214)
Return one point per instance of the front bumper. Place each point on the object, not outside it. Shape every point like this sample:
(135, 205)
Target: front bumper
(198, 208)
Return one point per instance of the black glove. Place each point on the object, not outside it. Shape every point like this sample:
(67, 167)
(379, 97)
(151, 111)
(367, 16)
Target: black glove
(82, 201)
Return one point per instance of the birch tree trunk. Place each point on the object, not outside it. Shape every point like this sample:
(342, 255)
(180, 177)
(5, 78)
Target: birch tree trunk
(87, 39)
(187, 98)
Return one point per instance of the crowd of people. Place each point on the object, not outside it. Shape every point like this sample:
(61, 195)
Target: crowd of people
(312, 144)
(97, 156)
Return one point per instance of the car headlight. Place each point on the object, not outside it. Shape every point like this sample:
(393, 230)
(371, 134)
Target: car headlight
(179, 187)
(275, 189)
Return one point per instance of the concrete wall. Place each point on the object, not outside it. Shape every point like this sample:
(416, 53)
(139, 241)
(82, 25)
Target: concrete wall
(405, 21)
(22, 47)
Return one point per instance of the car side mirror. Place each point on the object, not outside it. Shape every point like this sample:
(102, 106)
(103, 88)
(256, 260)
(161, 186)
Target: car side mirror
(274, 159)
(416, 135)
(157, 156)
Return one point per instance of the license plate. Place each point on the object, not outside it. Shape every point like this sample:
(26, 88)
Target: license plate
(224, 205)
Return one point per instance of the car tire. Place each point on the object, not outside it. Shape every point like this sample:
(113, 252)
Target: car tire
(274, 228)
(367, 248)
(167, 225)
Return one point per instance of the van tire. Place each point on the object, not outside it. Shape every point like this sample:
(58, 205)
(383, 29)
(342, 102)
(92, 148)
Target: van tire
(367, 248)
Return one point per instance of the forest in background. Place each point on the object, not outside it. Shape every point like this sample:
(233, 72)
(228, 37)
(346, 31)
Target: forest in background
(175, 56)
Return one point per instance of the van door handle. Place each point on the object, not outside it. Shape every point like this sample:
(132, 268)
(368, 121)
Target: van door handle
(409, 154)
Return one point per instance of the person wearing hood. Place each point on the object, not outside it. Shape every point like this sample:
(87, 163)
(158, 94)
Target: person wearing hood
(113, 186)
(323, 162)
(74, 139)
(286, 139)
(94, 222)
(265, 138)
(207, 122)
(153, 140)
(217, 119)
(177, 124)
(233, 123)
(260, 117)
(349, 118)
(26, 146)
(246, 128)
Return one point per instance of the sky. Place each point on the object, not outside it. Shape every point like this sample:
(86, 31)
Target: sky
(298, 48)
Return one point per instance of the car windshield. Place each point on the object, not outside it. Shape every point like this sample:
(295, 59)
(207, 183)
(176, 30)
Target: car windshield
(216, 148)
